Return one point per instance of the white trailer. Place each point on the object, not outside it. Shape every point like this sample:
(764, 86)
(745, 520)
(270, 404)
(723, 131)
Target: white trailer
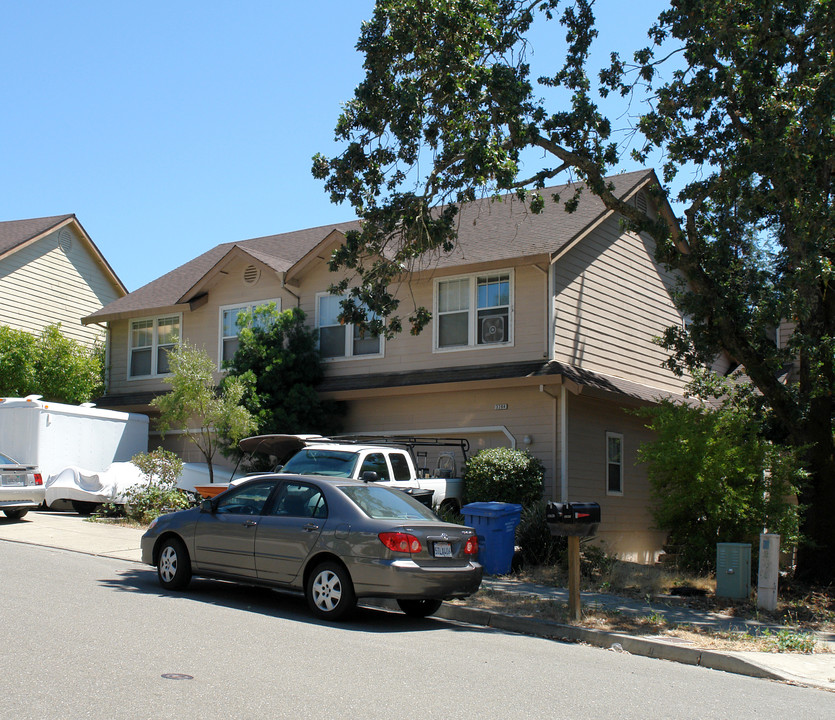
(55, 436)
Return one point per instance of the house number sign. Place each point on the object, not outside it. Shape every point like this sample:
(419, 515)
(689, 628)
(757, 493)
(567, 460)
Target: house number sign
(500, 406)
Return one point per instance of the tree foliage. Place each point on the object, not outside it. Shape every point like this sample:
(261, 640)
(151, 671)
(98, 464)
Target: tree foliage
(714, 476)
(195, 401)
(504, 475)
(743, 118)
(158, 493)
(51, 365)
(277, 361)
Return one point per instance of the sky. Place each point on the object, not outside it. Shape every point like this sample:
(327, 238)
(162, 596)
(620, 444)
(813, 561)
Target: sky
(170, 127)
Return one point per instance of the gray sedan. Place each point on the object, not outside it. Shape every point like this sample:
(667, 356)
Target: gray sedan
(21, 487)
(335, 539)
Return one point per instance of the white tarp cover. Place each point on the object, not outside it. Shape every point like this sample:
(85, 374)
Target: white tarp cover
(107, 486)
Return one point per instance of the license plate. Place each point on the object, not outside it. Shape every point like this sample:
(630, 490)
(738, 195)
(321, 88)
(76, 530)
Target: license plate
(13, 480)
(443, 549)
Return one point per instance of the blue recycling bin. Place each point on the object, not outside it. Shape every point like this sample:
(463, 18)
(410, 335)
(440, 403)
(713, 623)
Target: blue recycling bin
(495, 524)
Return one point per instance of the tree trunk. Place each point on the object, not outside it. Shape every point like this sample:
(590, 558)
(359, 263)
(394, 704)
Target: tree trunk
(816, 553)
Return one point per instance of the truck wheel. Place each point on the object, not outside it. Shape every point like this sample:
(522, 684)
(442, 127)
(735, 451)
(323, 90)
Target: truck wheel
(450, 506)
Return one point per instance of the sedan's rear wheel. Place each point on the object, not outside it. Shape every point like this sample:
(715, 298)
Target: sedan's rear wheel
(419, 608)
(173, 565)
(15, 514)
(330, 592)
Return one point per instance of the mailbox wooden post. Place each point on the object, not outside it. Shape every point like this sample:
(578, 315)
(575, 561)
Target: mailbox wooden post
(574, 578)
(573, 520)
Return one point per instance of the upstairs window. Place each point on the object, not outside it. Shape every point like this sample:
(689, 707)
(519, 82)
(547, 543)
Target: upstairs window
(151, 340)
(337, 340)
(230, 329)
(473, 311)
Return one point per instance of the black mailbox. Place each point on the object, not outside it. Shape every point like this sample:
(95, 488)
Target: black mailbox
(573, 518)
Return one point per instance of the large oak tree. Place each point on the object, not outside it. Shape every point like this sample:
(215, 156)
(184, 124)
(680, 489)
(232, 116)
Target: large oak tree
(743, 118)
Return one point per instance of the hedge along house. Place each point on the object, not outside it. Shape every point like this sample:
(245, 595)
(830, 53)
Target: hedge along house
(51, 272)
(541, 339)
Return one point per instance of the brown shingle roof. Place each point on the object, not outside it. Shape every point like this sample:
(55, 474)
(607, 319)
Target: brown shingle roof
(16, 232)
(488, 232)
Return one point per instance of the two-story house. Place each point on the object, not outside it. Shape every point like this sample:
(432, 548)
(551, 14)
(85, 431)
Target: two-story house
(52, 272)
(541, 339)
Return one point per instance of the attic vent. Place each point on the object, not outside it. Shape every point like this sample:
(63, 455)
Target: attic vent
(641, 202)
(65, 240)
(251, 275)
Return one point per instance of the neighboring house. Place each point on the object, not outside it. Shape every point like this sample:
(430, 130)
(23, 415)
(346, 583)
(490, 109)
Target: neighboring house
(52, 272)
(541, 339)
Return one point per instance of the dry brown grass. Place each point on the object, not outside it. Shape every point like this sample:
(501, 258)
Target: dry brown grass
(800, 611)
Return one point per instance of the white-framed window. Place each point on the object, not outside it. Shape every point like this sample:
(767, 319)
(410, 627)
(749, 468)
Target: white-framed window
(342, 341)
(230, 330)
(614, 463)
(474, 311)
(150, 340)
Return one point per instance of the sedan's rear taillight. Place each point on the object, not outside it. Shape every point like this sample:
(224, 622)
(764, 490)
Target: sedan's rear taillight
(400, 542)
(38, 479)
(471, 548)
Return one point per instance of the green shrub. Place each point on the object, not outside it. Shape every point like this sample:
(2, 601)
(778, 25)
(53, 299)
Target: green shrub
(533, 536)
(504, 475)
(159, 493)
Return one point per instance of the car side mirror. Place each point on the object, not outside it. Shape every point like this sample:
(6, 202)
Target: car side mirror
(369, 476)
(206, 506)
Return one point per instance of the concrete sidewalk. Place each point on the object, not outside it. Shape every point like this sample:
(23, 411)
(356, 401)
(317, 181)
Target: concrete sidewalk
(68, 531)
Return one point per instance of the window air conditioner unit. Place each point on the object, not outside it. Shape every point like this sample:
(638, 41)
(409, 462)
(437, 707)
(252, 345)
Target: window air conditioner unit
(492, 328)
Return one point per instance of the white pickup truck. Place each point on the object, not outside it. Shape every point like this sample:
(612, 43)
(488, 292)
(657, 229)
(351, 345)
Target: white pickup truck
(389, 463)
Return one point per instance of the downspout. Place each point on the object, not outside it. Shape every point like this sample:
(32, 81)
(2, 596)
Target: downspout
(557, 442)
(290, 292)
(563, 445)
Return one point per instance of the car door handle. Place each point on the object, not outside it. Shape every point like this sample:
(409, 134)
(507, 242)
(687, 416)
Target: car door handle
(311, 527)
(250, 523)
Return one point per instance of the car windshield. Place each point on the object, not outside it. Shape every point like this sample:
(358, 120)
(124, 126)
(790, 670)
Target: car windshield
(335, 463)
(381, 503)
(6, 460)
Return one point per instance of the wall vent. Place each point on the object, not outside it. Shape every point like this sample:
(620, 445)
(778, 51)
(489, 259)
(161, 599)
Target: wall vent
(641, 203)
(65, 240)
(251, 275)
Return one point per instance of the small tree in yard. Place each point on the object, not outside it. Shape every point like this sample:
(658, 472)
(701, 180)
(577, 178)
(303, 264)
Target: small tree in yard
(504, 475)
(194, 396)
(159, 493)
(715, 477)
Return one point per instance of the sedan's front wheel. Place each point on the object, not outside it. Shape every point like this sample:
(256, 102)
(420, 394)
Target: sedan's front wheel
(330, 592)
(419, 608)
(15, 514)
(173, 565)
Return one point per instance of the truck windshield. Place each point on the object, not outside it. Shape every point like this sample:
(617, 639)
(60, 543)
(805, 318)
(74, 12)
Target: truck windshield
(335, 463)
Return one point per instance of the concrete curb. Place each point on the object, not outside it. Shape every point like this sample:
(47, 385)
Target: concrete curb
(599, 638)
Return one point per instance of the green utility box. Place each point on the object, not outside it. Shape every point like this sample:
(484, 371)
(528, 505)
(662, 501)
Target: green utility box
(733, 570)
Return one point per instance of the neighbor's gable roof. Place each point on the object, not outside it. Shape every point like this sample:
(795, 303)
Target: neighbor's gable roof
(488, 232)
(17, 234)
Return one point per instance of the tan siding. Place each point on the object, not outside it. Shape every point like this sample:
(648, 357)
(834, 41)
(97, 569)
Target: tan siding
(529, 412)
(41, 284)
(407, 353)
(627, 524)
(611, 300)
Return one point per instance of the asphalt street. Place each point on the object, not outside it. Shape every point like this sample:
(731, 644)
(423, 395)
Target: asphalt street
(95, 637)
